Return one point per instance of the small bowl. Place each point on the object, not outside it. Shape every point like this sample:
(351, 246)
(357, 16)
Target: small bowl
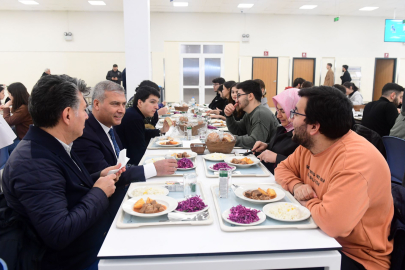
(199, 148)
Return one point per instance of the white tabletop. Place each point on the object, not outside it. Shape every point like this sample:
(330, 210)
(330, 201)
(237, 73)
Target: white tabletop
(178, 240)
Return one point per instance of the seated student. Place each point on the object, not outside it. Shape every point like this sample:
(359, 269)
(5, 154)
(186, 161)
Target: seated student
(162, 109)
(45, 182)
(352, 92)
(349, 196)
(216, 83)
(398, 130)
(258, 124)
(21, 118)
(307, 84)
(380, 115)
(263, 88)
(238, 113)
(281, 146)
(132, 132)
(297, 83)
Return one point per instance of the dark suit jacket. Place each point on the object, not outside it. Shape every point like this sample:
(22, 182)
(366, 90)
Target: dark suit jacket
(346, 77)
(282, 145)
(380, 116)
(133, 135)
(43, 184)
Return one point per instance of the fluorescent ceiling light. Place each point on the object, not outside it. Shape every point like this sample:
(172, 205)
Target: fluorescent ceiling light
(97, 3)
(245, 5)
(180, 4)
(308, 7)
(28, 2)
(368, 8)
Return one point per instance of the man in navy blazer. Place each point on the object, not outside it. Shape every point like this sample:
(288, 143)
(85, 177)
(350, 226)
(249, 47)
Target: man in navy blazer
(47, 184)
(96, 149)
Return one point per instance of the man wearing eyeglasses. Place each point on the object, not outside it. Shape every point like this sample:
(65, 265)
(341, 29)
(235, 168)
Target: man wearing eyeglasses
(258, 123)
(215, 84)
(341, 178)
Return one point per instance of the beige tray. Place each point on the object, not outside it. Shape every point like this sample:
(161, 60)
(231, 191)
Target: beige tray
(121, 214)
(267, 173)
(274, 224)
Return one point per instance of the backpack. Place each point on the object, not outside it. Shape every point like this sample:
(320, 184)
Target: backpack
(20, 247)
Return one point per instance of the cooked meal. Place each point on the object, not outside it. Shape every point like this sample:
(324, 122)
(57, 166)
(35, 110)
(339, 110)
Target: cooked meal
(166, 138)
(171, 142)
(147, 191)
(180, 155)
(286, 211)
(216, 156)
(242, 161)
(260, 194)
(150, 207)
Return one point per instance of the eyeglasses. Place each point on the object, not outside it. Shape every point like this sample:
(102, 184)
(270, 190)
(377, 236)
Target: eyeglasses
(293, 112)
(239, 95)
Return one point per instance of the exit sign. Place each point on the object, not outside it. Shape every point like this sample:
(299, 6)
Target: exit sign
(336, 19)
(266, 53)
(386, 55)
(304, 54)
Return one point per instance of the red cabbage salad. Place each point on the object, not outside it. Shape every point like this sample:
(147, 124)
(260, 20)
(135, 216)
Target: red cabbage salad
(185, 163)
(192, 204)
(243, 215)
(221, 165)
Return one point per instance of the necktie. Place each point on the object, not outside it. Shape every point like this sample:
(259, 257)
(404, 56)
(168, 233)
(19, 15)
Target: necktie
(116, 148)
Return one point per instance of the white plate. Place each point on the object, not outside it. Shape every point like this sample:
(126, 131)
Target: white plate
(223, 129)
(261, 215)
(133, 188)
(191, 154)
(240, 191)
(192, 213)
(210, 157)
(172, 145)
(185, 169)
(212, 169)
(305, 213)
(169, 202)
(254, 159)
(153, 160)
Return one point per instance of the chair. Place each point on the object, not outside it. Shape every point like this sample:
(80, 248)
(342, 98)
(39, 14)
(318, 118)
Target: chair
(371, 136)
(395, 148)
(397, 231)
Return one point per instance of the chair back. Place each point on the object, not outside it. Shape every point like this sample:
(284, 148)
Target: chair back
(395, 148)
(371, 136)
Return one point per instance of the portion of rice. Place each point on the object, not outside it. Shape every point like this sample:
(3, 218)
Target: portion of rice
(286, 211)
(148, 191)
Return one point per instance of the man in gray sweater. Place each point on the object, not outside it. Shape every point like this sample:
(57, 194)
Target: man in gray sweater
(258, 124)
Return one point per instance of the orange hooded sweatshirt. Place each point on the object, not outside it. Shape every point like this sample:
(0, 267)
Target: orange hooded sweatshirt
(353, 184)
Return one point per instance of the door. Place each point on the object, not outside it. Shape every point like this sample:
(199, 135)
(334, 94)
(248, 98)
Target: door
(304, 68)
(265, 69)
(384, 72)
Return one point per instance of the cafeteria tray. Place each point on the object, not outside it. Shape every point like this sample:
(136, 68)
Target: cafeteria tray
(224, 204)
(258, 170)
(125, 221)
(177, 173)
(185, 144)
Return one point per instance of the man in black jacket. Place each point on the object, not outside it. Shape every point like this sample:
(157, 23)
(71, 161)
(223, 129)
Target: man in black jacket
(380, 115)
(114, 75)
(45, 182)
(216, 83)
(346, 75)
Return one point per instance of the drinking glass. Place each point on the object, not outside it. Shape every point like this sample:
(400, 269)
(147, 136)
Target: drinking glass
(190, 185)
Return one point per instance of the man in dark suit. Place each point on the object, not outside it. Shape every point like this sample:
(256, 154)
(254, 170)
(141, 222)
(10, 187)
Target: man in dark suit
(47, 184)
(99, 146)
(114, 75)
(380, 115)
(132, 132)
(346, 75)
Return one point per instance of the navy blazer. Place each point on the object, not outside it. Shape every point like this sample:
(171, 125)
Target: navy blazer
(134, 136)
(42, 183)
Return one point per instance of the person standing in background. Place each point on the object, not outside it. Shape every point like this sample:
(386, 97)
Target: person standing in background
(346, 75)
(330, 76)
(47, 71)
(124, 79)
(114, 75)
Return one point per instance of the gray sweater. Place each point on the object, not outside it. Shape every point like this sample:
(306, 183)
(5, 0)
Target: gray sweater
(259, 125)
(398, 130)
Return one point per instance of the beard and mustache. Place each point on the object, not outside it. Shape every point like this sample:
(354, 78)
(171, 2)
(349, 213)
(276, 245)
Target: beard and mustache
(301, 137)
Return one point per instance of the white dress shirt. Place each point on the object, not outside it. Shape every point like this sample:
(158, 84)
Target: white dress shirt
(149, 169)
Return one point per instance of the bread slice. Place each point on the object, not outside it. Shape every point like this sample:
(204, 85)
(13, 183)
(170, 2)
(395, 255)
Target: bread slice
(169, 121)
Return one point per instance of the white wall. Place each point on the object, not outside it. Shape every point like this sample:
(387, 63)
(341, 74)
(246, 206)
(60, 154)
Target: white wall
(32, 41)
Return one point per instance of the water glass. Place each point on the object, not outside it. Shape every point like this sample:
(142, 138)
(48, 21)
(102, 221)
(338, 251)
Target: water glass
(202, 133)
(190, 185)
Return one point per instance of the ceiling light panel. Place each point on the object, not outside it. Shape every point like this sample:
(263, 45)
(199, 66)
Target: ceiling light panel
(308, 6)
(180, 4)
(368, 8)
(97, 3)
(28, 2)
(245, 5)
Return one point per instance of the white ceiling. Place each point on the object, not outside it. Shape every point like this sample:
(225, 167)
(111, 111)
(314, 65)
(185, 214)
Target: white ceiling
(325, 7)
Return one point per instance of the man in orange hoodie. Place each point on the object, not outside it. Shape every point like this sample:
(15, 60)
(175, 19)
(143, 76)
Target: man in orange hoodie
(341, 178)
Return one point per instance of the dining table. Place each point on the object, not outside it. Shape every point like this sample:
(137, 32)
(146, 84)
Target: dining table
(180, 247)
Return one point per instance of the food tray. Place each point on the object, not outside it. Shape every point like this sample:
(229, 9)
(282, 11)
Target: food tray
(177, 173)
(258, 170)
(185, 144)
(125, 221)
(223, 204)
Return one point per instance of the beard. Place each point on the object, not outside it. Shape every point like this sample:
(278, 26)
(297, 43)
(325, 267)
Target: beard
(396, 102)
(302, 137)
(243, 103)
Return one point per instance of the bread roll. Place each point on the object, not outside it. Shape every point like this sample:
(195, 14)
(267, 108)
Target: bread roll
(228, 137)
(213, 137)
(169, 121)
